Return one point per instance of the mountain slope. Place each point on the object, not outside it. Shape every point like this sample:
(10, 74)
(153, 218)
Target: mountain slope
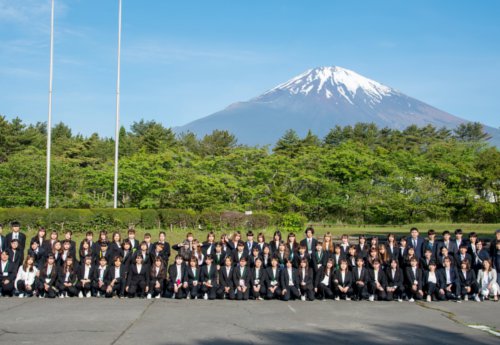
(319, 99)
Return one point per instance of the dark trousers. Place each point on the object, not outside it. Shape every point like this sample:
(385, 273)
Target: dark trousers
(325, 291)
(276, 294)
(398, 293)
(117, 289)
(360, 291)
(473, 289)
(210, 291)
(222, 294)
(137, 288)
(343, 295)
(432, 290)
(21, 286)
(155, 291)
(84, 288)
(307, 291)
(181, 292)
(243, 296)
(7, 289)
(381, 295)
(291, 293)
(70, 290)
(51, 293)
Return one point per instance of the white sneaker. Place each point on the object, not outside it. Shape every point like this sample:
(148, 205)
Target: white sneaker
(466, 298)
(348, 298)
(411, 300)
(173, 296)
(149, 296)
(400, 300)
(205, 296)
(61, 296)
(98, 294)
(477, 298)
(337, 298)
(21, 295)
(302, 298)
(260, 298)
(371, 298)
(80, 294)
(88, 294)
(195, 297)
(429, 298)
(188, 296)
(40, 296)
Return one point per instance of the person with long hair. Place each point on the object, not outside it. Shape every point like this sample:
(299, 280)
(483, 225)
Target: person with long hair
(26, 279)
(258, 280)
(157, 277)
(48, 278)
(324, 281)
(85, 273)
(138, 277)
(342, 281)
(116, 278)
(209, 277)
(395, 281)
(487, 281)
(306, 279)
(67, 279)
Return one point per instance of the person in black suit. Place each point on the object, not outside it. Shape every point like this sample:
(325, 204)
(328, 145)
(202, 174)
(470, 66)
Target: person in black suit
(254, 255)
(89, 238)
(218, 256)
(48, 244)
(426, 259)
(9, 272)
(242, 280)
(133, 241)
(275, 243)
(38, 254)
(115, 246)
(416, 241)
(239, 253)
(324, 281)
(259, 280)
(395, 281)
(431, 243)
(116, 279)
(290, 287)
(103, 251)
(127, 254)
(137, 278)
(318, 259)
(273, 280)
(250, 243)
(301, 254)
(361, 279)
(480, 255)
(147, 257)
(193, 277)
(448, 243)
(462, 255)
(16, 234)
(306, 279)
(86, 272)
(459, 240)
(166, 246)
(226, 284)
(414, 277)
(208, 278)
(377, 282)
(392, 247)
(67, 237)
(342, 282)
(449, 277)
(309, 242)
(157, 277)
(100, 279)
(493, 245)
(468, 286)
(177, 278)
(40, 237)
(67, 279)
(16, 255)
(48, 278)
(362, 246)
(433, 284)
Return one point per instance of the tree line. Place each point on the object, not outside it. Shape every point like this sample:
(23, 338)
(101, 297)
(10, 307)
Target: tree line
(355, 174)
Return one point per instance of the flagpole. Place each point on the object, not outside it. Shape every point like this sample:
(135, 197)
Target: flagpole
(117, 129)
(49, 122)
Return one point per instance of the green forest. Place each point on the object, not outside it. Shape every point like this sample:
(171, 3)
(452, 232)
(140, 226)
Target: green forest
(355, 174)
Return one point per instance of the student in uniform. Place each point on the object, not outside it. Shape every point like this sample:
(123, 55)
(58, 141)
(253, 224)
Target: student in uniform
(426, 259)
(102, 252)
(261, 241)
(292, 246)
(68, 279)
(275, 243)
(309, 242)
(342, 282)
(48, 278)
(433, 284)
(234, 240)
(145, 253)
(250, 243)
(318, 259)
(361, 278)
(344, 245)
(26, 279)
(337, 257)
(116, 278)
(100, 280)
(395, 281)
(242, 280)
(301, 254)
(38, 254)
(86, 272)
(198, 253)
(414, 288)
(239, 253)
(209, 277)
(467, 281)
(48, 245)
(127, 253)
(138, 278)
(40, 237)
(162, 239)
(258, 281)
(290, 287)
(16, 254)
(281, 255)
(324, 280)
(193, 276)
(177, 278)
(383, 256)
(115, 247)
(448, 243)
(208, 246)
(254, 255)
(16, 234)
(266, 257)
(362, 247)
(328, 246)
(226, 285)
(85, 250)
(449, 277)
(89, 238)
(377, 283)
(392, 246)
(479, 256)
(157, 277)
(306, 280)
(487, 281)
(431, 243)
(134, 244)
(403, 251)
(273, 280)
(218, 256)
(351, 257)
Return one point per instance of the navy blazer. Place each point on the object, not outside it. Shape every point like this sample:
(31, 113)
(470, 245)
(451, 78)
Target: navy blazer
(418, 248)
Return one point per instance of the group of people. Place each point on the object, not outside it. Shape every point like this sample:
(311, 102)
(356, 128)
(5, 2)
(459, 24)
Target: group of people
(411, 268)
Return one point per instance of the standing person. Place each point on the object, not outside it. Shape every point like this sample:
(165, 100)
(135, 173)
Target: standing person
(494, 248)
(177, 278)
(138, 278)
(342, 282)
(431, 243)
(487, 281)
(16, 234)
(162, 239)
(417, 242)
(86, 272)
(250, 243)
(26, 279)
(275, 243)
(242, 280)
(319, 259)
(344, 245)
(395, 281)
(414, 288)
(377, 282)
(115, 247)
(448, 243)
(72, 248)
(479, 255)
(362, 247)
(133, 242)
(309, 242)
(116, 278)
(85, 250)
(157, 277)
(462, 255)
(259, 279)
(306, 280)
(16, 254)
(48, 278)
(459, 240)
(89, 238)
(48, 244)
(208, 247)
(208, 277)
(38, 254)
(40, 237)
(392, 246)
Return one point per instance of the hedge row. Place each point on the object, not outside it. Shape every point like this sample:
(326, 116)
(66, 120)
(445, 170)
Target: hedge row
(92, 219)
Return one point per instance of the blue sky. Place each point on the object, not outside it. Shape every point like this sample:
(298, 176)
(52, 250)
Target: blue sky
(182, 60)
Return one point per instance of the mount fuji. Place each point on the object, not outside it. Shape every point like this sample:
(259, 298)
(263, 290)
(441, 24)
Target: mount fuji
(318, 100)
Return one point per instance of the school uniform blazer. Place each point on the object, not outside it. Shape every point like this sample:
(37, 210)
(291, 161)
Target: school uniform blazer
(21, 240)
(458, 259)
(72, 249)
(252, 245)
(440, 283)
(219, 258)
(424, 264)
(91, 245)
(236, 258)
(161, 255)
(266, 261)
(166, 250)
(347, 281)
(3, 243)
(16, 257)
(313, 244)
(115, 249)
(81, 272)
(297, 258)
(246, 276)
(172, 273)
(467, 279)
(271, 276)
(419, 246)
(39, 257)
(111, 274)
(273, 247)
(154, 277)
(127, 258)
(393, 253)
(432, 246)
(53, 275)
(398, 279)
(382, 278)
(336, 261)
(47, 246)
(261, 277)
(251, 260)
(285, 279)
(205, 246)
(207, 275)
(105, 275)
(363, 276)
(321, 276)
(40, 240)
(226, 280)
(410, 277)
(11, 271)
(362, 252)
(452, 247)
(147, 258)
(97, 255)
(481, 255)
(73, 278)
(453, 276)
(134, 276)
(307, 278)
(319, 258)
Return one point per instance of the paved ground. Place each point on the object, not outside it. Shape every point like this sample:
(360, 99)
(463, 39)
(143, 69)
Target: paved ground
(100, 321)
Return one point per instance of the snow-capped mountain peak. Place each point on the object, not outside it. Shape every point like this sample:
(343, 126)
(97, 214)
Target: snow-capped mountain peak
(329, 81)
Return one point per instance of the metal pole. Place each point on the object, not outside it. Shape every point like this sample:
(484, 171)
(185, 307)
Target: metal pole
(49, 122)
(117, 130)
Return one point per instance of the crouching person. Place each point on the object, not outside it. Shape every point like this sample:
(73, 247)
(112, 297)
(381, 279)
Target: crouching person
(67, 279)
(116, 279)
(48, 278)
(8, 275)
(100, 281)
(157, 278)
(290, 287)
(85, 274)
(209, 277)
(137, 278)
(258, 280)
(177, 278)
(342, 282)
(27, 278)
(306, 280)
